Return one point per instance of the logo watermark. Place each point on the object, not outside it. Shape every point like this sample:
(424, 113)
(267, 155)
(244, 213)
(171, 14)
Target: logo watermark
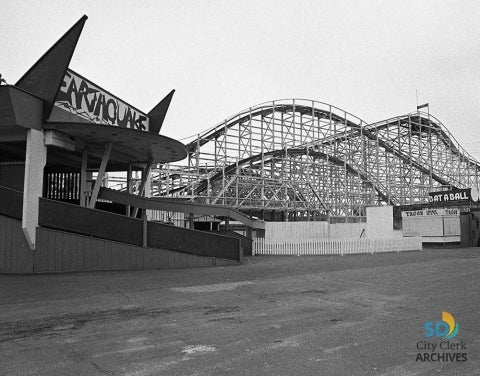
(444, 350)
(447, 328)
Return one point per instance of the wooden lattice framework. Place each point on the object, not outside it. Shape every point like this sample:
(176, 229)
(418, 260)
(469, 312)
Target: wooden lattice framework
(312, 158)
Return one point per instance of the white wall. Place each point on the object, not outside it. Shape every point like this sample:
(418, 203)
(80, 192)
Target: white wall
(348, 230)
(379, 225)
(276, 232)
(287, 231)
(380, 222)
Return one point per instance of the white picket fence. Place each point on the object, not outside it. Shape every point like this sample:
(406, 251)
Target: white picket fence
(336, 246)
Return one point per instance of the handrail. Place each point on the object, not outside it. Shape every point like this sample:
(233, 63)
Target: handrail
(178, 205)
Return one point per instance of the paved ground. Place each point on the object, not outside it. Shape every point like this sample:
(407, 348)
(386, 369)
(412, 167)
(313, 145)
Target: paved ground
(323, 315)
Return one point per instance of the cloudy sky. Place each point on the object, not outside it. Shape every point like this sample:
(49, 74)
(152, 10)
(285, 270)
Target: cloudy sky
(367, 57)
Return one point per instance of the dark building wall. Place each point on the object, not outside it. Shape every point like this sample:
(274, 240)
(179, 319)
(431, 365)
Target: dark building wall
(11, 202)
(466, 231)
(12, 176)
(246, 243)
(470, 228)
(68, 217)
(193, 241)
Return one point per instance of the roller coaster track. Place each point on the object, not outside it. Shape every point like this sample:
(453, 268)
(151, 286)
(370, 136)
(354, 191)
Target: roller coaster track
(320, 154)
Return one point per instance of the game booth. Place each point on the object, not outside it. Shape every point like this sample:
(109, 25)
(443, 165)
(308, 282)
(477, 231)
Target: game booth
(452, 216)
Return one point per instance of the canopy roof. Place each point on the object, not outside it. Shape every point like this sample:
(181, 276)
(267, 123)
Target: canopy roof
(80, 114)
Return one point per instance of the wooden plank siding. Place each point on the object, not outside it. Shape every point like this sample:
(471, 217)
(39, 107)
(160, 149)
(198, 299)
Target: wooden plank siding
(58, 251)
(15, 254)
(119, 228)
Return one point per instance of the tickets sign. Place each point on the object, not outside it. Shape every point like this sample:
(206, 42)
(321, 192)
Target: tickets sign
(83, 98)
(449, 196)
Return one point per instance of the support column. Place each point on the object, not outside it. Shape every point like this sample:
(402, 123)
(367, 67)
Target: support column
(35, 159)
(148, 188)
(129, 187)
(83, 179)
(144, 229)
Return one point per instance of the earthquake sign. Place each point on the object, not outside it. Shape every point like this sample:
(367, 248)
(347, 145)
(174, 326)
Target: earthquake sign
(83, 98)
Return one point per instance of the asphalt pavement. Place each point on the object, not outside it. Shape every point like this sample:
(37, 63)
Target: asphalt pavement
(272, 315)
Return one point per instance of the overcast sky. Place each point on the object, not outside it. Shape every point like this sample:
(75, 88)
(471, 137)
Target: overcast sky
(366, 57)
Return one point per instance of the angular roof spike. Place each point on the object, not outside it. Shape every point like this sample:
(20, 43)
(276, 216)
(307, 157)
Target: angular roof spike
(157, 114)
(44, 78)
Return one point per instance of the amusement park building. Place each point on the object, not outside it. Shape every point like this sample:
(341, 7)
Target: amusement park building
(60, 137)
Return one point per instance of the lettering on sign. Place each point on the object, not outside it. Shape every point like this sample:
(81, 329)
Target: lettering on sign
(449, 196)
(430, 213)
(83, 98)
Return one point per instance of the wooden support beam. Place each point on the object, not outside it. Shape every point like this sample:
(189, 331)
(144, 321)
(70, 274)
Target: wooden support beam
(145, 176)
(141, 189)
(59, 140)
(100, 175)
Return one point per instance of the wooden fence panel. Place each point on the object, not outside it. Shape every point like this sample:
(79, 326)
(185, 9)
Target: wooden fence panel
(336, 246)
